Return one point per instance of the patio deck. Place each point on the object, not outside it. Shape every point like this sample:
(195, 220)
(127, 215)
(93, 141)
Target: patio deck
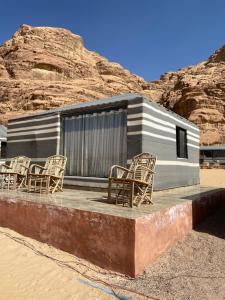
(118, 238)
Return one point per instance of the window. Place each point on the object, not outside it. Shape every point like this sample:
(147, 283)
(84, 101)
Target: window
(181, 137)
(3, 150)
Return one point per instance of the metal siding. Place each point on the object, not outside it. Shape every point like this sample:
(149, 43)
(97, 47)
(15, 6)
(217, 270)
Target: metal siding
(32, 149)
(134, 142)
(34, 121)
(174, 174)
(34, 144)
(134, 146)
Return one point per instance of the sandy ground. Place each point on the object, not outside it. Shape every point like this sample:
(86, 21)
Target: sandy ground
(32, 270)
(212, 177)
(194, 269)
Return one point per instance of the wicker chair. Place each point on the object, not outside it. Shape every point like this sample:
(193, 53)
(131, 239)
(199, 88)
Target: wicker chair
(134, 185)
(15, 174)
(47, 178)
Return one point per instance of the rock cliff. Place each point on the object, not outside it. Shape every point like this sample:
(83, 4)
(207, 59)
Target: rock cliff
(198, 94)
(42, 68)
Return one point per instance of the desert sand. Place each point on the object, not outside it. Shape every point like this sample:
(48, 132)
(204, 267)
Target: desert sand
(27, 273)
(212, 177)
(191, 269)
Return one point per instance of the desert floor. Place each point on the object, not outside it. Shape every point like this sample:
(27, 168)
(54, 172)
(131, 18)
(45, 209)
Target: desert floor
(193, 269)
(212, 177)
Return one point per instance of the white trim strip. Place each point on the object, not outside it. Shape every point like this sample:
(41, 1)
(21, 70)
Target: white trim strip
(38, 159)
(33, 120)
(152, 134)
(33, 127)
(34, 132)
(172, 163)
(150, 117)
(193, 134)
(158, 162)
(162, 113)
(192, 139)
(193, 146)
(32, 159)
(58, 142)
(35, 139)
(176, 163)
(159, 136)
(152, 125)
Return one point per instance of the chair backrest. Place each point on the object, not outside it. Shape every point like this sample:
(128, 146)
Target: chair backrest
(20, 164)
(55, 165)
(12, 163)
(144, 165)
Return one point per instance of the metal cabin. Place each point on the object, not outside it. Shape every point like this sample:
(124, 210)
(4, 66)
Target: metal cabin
(96, 135)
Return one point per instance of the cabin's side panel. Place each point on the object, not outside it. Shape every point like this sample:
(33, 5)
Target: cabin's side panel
(156, 129)
(134, 135)
(36, 136)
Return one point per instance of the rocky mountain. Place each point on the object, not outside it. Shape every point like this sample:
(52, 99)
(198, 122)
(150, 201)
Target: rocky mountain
(198, 94)
(43, 67)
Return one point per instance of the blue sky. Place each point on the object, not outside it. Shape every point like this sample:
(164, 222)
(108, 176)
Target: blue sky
(145, 36)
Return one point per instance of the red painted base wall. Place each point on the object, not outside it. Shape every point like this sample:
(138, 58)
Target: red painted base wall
(120, 244)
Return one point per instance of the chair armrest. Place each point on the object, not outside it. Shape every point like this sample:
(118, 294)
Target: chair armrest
(35, 166)
(25, 167)
(5, 166)
(118, 167)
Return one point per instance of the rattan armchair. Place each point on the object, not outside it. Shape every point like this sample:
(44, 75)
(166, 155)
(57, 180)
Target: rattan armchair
(133, 186)
(14, 174)
(47, 178)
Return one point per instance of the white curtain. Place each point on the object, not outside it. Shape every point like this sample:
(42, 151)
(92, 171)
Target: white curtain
(94, 142)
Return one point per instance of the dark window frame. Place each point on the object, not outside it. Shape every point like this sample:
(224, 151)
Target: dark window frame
(3, 149)
(182, 149)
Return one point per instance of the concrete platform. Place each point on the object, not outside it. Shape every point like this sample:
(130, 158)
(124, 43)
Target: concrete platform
(117, 238)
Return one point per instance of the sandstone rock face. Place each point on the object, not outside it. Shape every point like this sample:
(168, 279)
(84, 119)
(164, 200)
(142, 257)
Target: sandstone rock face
(198, 94)
(43, 67)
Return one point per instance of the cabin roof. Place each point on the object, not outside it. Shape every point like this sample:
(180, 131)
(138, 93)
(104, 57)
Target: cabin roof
(101, 103)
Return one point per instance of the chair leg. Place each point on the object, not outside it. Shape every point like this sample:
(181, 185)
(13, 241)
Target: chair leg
(28, 184)
(21, 183)
(109, 191)
(14, 181)
(61, 185)
(55, 187)
(47, 185)
(132, 194)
